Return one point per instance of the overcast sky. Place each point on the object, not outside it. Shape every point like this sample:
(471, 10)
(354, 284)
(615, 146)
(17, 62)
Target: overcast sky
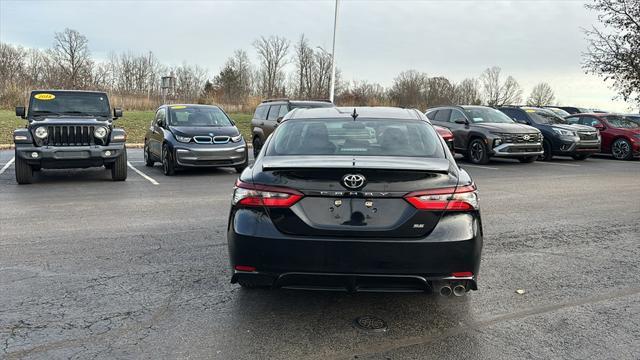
(532, 40)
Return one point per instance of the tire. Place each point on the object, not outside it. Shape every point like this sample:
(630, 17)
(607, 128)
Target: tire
(24, 171)
(579, 156)
(119, 167)
(548, 154)
(528, 159)
(257, 146)
(621, 149)
(477, 152)
(148, 161)
(168, 163)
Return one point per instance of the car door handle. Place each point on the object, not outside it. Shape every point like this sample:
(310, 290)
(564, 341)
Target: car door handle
(262, 123)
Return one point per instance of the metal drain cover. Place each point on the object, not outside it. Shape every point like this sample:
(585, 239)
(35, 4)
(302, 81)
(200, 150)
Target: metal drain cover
(370, 323)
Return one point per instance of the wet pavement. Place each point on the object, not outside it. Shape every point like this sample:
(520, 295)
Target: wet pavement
(91, 268)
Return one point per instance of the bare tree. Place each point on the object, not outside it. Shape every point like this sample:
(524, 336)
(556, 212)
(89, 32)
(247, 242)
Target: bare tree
(71, 54)
(12, 65)
(440, 91)
(541, 95)
(304, 61)
(409, 89)
(613, 51)
(468, 92)
(362, 93)
(272, 52)
(498, 93)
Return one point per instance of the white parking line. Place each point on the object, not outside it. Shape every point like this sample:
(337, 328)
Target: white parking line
(6, 166)
(552, 163)
(478, 166)
(151, 180)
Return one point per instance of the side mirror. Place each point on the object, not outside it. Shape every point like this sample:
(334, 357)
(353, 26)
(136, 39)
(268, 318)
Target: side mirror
(461, 121)
(160, 123)
(279, 120)
(20, 112)
(117, 113)
(599, 126)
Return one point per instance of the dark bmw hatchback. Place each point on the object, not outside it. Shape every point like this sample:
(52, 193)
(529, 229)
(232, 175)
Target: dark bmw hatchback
(366, 199)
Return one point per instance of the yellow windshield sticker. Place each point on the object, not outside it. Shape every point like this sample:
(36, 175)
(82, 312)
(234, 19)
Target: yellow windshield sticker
(44, 96)
(530, 110)
(178, 107)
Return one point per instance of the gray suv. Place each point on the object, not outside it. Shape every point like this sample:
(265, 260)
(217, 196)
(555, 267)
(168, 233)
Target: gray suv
(269, 114)
(482, 132)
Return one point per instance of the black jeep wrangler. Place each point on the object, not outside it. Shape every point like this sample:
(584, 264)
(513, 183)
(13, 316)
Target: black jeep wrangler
(69, 129)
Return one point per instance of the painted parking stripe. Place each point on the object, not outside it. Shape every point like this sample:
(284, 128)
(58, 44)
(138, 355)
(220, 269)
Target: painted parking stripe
(552, 163)
(478, 166)
(151, 180)
(6, 166)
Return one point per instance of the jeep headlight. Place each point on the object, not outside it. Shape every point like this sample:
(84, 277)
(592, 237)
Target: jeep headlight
(100, 132)
(41, 132)
(183, 139)
(236, 138)
(563, 132)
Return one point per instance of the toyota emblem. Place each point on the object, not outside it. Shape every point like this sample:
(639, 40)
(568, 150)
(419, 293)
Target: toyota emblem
(353, 181)
(526, 137)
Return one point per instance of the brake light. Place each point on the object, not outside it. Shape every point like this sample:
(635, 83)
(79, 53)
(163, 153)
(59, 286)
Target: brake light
(462, 274)
(245, 268)
(462, 198)
(262, 195)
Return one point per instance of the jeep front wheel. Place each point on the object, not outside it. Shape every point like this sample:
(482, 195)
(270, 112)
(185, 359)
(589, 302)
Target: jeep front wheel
(119, 167)
(24, 171)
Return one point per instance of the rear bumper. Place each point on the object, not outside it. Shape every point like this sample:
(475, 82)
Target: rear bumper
(354, 264)
(69, 156)
(211, 155)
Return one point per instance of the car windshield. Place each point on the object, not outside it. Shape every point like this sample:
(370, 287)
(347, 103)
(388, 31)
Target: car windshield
(364, 137)
(487, 115)
(559, 112)
(545, 117)
(181, 115)
(69, 103)
(620, 122)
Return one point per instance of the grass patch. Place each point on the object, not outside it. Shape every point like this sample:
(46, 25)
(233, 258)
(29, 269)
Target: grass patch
(135, 124)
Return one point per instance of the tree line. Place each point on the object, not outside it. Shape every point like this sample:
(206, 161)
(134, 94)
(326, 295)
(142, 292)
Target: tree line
(284, 69)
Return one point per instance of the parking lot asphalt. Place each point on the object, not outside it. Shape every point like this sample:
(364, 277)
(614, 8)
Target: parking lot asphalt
(91, 268)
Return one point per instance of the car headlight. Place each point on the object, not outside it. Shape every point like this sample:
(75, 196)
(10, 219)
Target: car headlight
(100, 132)
(236, 138)
(41, 132)
(497, 141)
(183, 139)
(564, 132)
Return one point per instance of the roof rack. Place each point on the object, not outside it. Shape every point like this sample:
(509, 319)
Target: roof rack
(277, 99)
(287, 99)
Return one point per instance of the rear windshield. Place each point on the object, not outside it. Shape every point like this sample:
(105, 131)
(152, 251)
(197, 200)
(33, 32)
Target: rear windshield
(487, 115)
(364, 137)
(621, 122)
(69, 103)
(197, 116)
(545, 117)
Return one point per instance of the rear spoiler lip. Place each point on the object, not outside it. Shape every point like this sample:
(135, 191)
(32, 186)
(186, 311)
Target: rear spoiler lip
(356, 162)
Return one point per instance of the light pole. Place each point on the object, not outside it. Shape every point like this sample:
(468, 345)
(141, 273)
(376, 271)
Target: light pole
(333, 55)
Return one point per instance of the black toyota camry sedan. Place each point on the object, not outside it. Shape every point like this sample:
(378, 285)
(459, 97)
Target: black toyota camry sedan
(365, 199)
(194, 136)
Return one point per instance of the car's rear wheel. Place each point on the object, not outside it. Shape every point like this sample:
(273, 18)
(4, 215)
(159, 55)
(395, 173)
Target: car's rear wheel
(147, 157)
(168, 163)
(477, 152)
(548, 154)
(579, 156)
(24, 171)
(119, 167)
(621, 149)
(528, 159)
(257, 146)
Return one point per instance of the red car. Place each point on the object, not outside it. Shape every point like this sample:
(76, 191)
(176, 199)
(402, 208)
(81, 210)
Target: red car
(620, 136)
(446, 134)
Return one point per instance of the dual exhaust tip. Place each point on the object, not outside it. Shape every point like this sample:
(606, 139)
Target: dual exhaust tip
(457, 289)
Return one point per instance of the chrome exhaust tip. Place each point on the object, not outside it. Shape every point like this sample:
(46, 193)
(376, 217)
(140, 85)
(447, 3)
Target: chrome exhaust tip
(445, 290)
(459, 290)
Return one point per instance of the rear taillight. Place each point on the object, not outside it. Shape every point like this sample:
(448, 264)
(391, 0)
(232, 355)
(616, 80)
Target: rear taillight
(261, 195)
(462, 198)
